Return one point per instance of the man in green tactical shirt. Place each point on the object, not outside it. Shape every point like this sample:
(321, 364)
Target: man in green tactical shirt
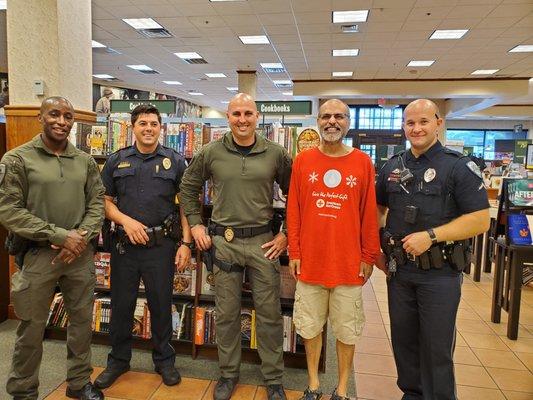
(52, 196)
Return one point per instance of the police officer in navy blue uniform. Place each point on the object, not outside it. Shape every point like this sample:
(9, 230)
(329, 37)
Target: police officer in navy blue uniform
(141, 183)
(435, 200)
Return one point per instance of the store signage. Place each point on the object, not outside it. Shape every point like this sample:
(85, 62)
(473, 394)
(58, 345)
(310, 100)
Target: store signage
(126, 106)
(284, 107)
(520, 192)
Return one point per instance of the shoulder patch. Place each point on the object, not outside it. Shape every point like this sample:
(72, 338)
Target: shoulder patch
(453, 152)
(474, 168)
(2, 173)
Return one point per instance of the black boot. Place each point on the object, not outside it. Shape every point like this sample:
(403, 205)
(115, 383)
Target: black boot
(170, 374)
(88, 392)
(276, 392)
(109, 375)
(224, 388)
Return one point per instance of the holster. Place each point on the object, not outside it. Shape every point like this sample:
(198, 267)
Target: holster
(107, 236)
(17, 246)
(458, 255)
(223, 265)
(172, 226)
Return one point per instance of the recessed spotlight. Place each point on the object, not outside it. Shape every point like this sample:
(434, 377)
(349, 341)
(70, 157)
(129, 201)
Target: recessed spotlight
(140, 67)
(216, 75)
(448, 34)
(96, 44)
(172, 82)
(103, 76)
(142, 23)
(340, 17)
(232, 88)
(484, 71)
(522, 48)
(188, 56)
(420, 63)
(338, 74)
(345, 52)
(260, 39)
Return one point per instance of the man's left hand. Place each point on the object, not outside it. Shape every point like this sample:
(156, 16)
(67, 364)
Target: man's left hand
(416, 243)
(365, 271)
(183, 257)
(65, 256)
(276, 246)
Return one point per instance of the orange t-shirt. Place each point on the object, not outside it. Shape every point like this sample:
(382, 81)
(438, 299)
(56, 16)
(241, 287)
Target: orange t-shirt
(332, 217)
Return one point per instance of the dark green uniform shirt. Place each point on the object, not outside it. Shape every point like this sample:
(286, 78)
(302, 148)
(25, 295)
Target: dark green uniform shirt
(43, 195)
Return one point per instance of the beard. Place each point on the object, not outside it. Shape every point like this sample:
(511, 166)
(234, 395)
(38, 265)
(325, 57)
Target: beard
(331, 136)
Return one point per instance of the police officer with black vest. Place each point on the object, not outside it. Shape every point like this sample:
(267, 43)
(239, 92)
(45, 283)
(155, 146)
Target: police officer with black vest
(433, 200)
(141, 183)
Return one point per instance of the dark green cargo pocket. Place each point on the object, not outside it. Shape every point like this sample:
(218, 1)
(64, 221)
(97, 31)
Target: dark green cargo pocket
(21, 296)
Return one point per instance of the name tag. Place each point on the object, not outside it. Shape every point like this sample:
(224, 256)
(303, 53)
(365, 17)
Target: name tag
(124, 164)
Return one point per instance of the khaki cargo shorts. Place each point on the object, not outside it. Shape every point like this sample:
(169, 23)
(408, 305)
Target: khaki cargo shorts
(343, 304)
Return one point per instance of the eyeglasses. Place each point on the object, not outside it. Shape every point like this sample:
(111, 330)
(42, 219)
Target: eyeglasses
(338, 117)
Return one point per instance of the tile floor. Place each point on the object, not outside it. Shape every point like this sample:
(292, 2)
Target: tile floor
(488, 365)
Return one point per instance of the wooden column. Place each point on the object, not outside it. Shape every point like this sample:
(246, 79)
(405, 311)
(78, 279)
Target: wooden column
(21, 126)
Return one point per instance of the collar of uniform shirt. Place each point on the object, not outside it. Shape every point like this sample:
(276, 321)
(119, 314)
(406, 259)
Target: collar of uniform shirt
(429, 154)
(70, 150)
(133, 150)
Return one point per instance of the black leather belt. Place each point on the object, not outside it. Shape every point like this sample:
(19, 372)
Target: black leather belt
(33, 244)
(230, 232)
(155, 235)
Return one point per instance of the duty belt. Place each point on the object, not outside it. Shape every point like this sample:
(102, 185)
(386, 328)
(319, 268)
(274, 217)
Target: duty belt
(33, 244)
(230, 232)
(155, 234)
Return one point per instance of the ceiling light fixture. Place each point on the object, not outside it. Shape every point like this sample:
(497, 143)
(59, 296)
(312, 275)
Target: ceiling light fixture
(522, 48)
(345, 52)
(232, 88)
(172, 83)
(216, 75)
(340, 17)
(96, 45)
(287, 93)
(484, 71)
(196, 94)
(448, 34)
(188, 56)
(140, 67)
(259, 39)
(103, 76)
(420, 63)
(339, 74)
(142, 23)
(3, 4)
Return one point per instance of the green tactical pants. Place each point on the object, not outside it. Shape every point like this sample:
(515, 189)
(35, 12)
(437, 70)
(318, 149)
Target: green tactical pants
(31, 293)
(265, 282)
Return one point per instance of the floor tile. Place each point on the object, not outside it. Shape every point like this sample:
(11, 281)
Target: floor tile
(473, 326)
(370, 345)
(527, 359)
(476, 393)
(374, 387)
(459, 340)
(465, 355)
(134, 386)
(370, 305)
(522, 345)
(483, 341)
(499, 359)
(373, 317)
(188, 389)
(508, 379)
(374, 330)
(261, 394)
(467, 314)
(510, 395)
(375, 364)
(471, 375)
(242, 392)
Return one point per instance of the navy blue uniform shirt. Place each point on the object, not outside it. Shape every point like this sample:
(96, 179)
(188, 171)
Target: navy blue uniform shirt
(145, 185)
(445, 186)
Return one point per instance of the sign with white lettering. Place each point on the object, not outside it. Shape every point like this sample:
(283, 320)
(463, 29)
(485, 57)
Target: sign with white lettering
(284, 107)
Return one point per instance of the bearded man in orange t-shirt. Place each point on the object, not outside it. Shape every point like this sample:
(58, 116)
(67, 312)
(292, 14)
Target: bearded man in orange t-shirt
(333, 243)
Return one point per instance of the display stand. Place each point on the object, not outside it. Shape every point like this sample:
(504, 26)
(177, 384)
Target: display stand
(512, 251)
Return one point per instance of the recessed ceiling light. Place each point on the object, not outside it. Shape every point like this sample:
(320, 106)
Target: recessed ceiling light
(96, 44)
(232, 88)
(216, 75)
(340, 17)
(172, 82)
(188, 56)
(260, 39)
(341, 73)
(522, 48)
(196, 94)
(448, 34)
(345, 52)
(282, 82)
(103, 76)
(142, 23)
(420, 63)
(287, 93)
(271, 65)
(3, 4)
(140, 67)
(484, 71)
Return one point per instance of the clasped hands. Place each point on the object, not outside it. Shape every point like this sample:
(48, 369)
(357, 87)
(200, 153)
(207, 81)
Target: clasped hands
(74, 245)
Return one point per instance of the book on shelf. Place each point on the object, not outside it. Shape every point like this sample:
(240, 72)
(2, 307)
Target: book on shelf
(102, 268)
(208, 281)
(97, 142)
(246, 325)
(185, 281)
(287, 283)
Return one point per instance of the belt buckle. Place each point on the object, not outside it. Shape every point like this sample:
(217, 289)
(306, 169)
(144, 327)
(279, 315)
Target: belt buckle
(411, 257)
(229, 234)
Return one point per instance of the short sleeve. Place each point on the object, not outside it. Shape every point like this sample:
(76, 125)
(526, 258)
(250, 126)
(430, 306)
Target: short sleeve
(107, 175)
(468, 189)
(381, 186)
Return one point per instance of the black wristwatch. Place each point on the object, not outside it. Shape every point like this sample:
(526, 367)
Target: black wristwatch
(190, 245)
(432, 236)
